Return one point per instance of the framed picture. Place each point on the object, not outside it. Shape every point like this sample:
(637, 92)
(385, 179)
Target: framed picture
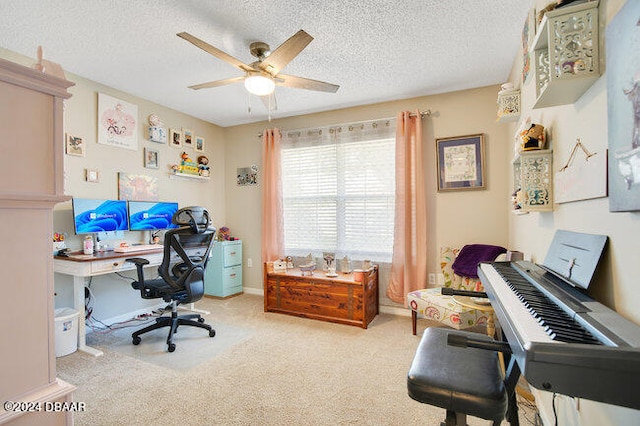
(117, 122)
(74, 146)
(135, 187)
(460, 162)
(92, 175)
(175, 138)
(187, 138)
(623, 107)
(199, 144)
(151, 158)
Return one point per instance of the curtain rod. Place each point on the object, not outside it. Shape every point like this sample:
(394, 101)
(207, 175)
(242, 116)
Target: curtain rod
(423, 114)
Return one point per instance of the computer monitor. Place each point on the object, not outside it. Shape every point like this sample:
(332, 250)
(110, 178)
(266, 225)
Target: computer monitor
(93, 215)
(151, 215)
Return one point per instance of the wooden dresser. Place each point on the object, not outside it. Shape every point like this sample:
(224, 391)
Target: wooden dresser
(340, 299)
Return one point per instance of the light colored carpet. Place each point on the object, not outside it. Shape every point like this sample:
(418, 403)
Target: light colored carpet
(286, 370)
(193, 345)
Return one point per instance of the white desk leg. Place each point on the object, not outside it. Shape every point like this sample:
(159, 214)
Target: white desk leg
(192, 308)
(78, 305)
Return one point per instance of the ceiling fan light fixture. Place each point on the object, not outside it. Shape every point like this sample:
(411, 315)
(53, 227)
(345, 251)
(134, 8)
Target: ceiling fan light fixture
(259, 85)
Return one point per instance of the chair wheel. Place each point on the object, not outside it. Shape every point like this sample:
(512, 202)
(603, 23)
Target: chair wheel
(212, 333)
(172, 347)
(200, 319)
(136, 340)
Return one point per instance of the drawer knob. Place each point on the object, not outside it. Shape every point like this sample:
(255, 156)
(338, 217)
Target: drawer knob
(115, 264)
(232, 275)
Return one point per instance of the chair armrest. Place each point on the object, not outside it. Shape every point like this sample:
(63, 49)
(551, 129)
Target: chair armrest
(138, 261)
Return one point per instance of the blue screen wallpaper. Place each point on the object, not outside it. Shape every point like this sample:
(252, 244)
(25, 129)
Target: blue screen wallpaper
(99, 215)
(151, 215)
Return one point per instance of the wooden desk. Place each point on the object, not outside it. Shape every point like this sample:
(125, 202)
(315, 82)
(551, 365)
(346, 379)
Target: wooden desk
(82, 267)
(338, 299)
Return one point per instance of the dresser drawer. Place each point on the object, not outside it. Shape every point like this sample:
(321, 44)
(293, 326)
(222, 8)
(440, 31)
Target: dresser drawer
(111, 265)
(232, 277)
(232, 255)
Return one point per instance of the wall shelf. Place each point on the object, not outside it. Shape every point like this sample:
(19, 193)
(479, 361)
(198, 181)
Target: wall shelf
(186, 176)
(533, 178)
(565, 54)
(508, 105)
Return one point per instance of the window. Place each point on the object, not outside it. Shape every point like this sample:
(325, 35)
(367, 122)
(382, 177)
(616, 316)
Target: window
(339, 191)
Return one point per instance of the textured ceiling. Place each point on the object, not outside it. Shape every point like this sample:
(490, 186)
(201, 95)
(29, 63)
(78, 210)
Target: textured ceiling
(376, 50)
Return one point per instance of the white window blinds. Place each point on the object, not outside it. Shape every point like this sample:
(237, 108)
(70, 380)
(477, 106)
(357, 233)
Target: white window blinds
(339, 190)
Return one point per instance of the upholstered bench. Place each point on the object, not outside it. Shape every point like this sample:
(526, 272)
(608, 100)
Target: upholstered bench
(463, 381)
(433, 305)
(430, 303)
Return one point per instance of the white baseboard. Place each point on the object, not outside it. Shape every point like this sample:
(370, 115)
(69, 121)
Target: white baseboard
(133, 314)
(394, 310)
(255, 291)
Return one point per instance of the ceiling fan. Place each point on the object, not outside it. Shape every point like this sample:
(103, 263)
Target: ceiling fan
(263, 75)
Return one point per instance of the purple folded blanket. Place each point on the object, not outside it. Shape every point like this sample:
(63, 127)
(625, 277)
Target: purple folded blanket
(466, 263)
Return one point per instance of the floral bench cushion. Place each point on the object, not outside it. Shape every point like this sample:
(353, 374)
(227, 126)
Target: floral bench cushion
(433, 305)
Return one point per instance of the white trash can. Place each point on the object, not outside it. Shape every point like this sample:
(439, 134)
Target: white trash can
(66, 329)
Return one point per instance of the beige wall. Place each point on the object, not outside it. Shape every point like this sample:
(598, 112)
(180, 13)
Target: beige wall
(114, 296)
(455, 218)
(616, 283)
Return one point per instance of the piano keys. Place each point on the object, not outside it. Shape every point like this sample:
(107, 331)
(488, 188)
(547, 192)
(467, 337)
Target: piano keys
(562, 339)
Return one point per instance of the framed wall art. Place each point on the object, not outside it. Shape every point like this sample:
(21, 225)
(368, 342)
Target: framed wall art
(74, 146)
(187, 138)
(117, 122)
(136, 187)
(199, 146)
(151, 158)
(623, 105)
(175, 138)
(460, 162)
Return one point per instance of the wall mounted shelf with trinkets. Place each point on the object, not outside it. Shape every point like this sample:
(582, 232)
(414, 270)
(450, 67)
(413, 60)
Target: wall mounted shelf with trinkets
(565, 54)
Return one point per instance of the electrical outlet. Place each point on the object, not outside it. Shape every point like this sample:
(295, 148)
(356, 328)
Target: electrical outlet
(249, 263)
(432, 278)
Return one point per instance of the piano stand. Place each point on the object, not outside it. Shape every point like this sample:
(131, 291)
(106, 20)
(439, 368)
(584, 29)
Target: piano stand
(463, 381)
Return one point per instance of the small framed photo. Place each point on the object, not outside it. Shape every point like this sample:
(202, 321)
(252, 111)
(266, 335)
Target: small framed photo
(460, 162)
(187, 138)
(92, 175)
(151, 158)
(74, 146)
(199, 144)
(175, 138)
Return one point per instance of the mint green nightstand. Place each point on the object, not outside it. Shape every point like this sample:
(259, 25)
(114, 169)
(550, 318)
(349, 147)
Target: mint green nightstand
(223, 276)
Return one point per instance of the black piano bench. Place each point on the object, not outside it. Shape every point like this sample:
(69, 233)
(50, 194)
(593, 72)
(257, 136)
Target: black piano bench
(464, 381)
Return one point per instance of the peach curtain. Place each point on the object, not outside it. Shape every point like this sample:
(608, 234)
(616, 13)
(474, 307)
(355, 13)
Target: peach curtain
(272, 213)
(409, 260)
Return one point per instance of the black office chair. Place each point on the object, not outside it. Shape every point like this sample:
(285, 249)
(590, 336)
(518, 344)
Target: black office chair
(182, 282)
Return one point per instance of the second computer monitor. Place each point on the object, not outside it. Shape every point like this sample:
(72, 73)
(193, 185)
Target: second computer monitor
(151, 215)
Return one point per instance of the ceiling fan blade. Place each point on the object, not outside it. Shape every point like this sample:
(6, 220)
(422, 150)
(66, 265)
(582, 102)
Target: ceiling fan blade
(216, 83)
(288, 50)
(269, 102)
(215, 51)
(305, 83)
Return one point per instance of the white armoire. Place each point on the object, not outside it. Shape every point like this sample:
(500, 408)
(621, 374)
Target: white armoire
(31, 164)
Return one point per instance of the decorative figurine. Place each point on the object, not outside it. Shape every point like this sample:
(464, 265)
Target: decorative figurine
(203, 166)
(533, 137)
(157, 133)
